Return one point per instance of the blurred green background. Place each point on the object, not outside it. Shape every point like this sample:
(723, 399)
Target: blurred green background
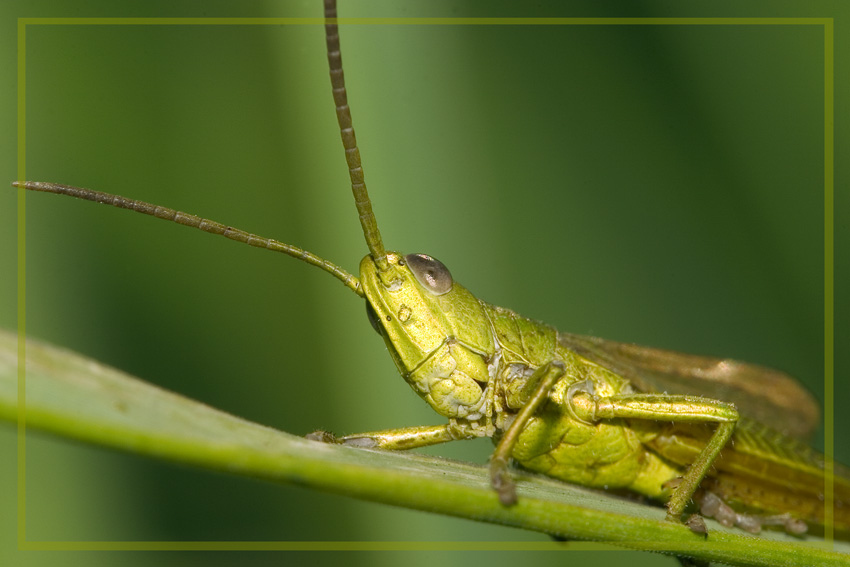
(653, 184)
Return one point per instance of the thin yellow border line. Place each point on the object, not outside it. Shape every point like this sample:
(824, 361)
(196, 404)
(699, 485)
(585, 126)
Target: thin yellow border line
(425, 21)
(829, 299)
(22, 288)
(829, 278)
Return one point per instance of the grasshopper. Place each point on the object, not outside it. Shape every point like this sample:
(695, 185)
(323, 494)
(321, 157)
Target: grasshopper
(580, 409)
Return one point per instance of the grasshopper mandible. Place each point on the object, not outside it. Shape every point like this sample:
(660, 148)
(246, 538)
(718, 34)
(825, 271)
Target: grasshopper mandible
(573, 407)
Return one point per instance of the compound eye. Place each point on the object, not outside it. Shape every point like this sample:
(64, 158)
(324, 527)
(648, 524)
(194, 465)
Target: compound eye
(430, 273)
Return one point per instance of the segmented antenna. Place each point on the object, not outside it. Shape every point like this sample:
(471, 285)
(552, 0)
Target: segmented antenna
(196, 222)
(349, 142)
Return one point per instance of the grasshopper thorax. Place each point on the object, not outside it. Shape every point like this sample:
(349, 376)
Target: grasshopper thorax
(437, 332)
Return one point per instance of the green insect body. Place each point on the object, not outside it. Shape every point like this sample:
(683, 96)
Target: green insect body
(472, 363)
(478, 365)
(672, 427)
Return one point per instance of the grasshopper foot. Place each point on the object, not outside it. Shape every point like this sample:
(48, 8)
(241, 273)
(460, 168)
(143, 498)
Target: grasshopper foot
(712, 506)
(696, 523)
(500, 480)
(364, 442)
(322, 436)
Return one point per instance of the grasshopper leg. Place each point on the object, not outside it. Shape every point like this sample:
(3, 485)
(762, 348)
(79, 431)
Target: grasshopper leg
(664, 407)
(400, 439)
(546, 376)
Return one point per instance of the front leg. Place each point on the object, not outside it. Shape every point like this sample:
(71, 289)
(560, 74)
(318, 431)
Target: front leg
(400, 439)
(533, 395)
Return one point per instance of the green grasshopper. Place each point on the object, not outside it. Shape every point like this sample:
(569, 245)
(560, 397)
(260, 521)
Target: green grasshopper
(580, 409)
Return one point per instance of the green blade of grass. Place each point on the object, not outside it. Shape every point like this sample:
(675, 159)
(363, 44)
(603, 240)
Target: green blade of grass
(75, 397)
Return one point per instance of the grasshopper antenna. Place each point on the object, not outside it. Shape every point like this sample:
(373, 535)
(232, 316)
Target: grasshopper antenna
(349, 141)
(206, 225)
(355, 169)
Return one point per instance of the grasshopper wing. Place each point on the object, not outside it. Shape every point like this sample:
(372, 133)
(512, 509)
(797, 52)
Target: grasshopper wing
(763, 394)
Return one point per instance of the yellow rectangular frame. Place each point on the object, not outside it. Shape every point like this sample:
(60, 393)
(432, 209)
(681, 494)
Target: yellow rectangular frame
(829, 280)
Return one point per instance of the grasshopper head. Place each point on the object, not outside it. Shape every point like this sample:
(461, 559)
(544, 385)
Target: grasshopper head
(436, 331)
